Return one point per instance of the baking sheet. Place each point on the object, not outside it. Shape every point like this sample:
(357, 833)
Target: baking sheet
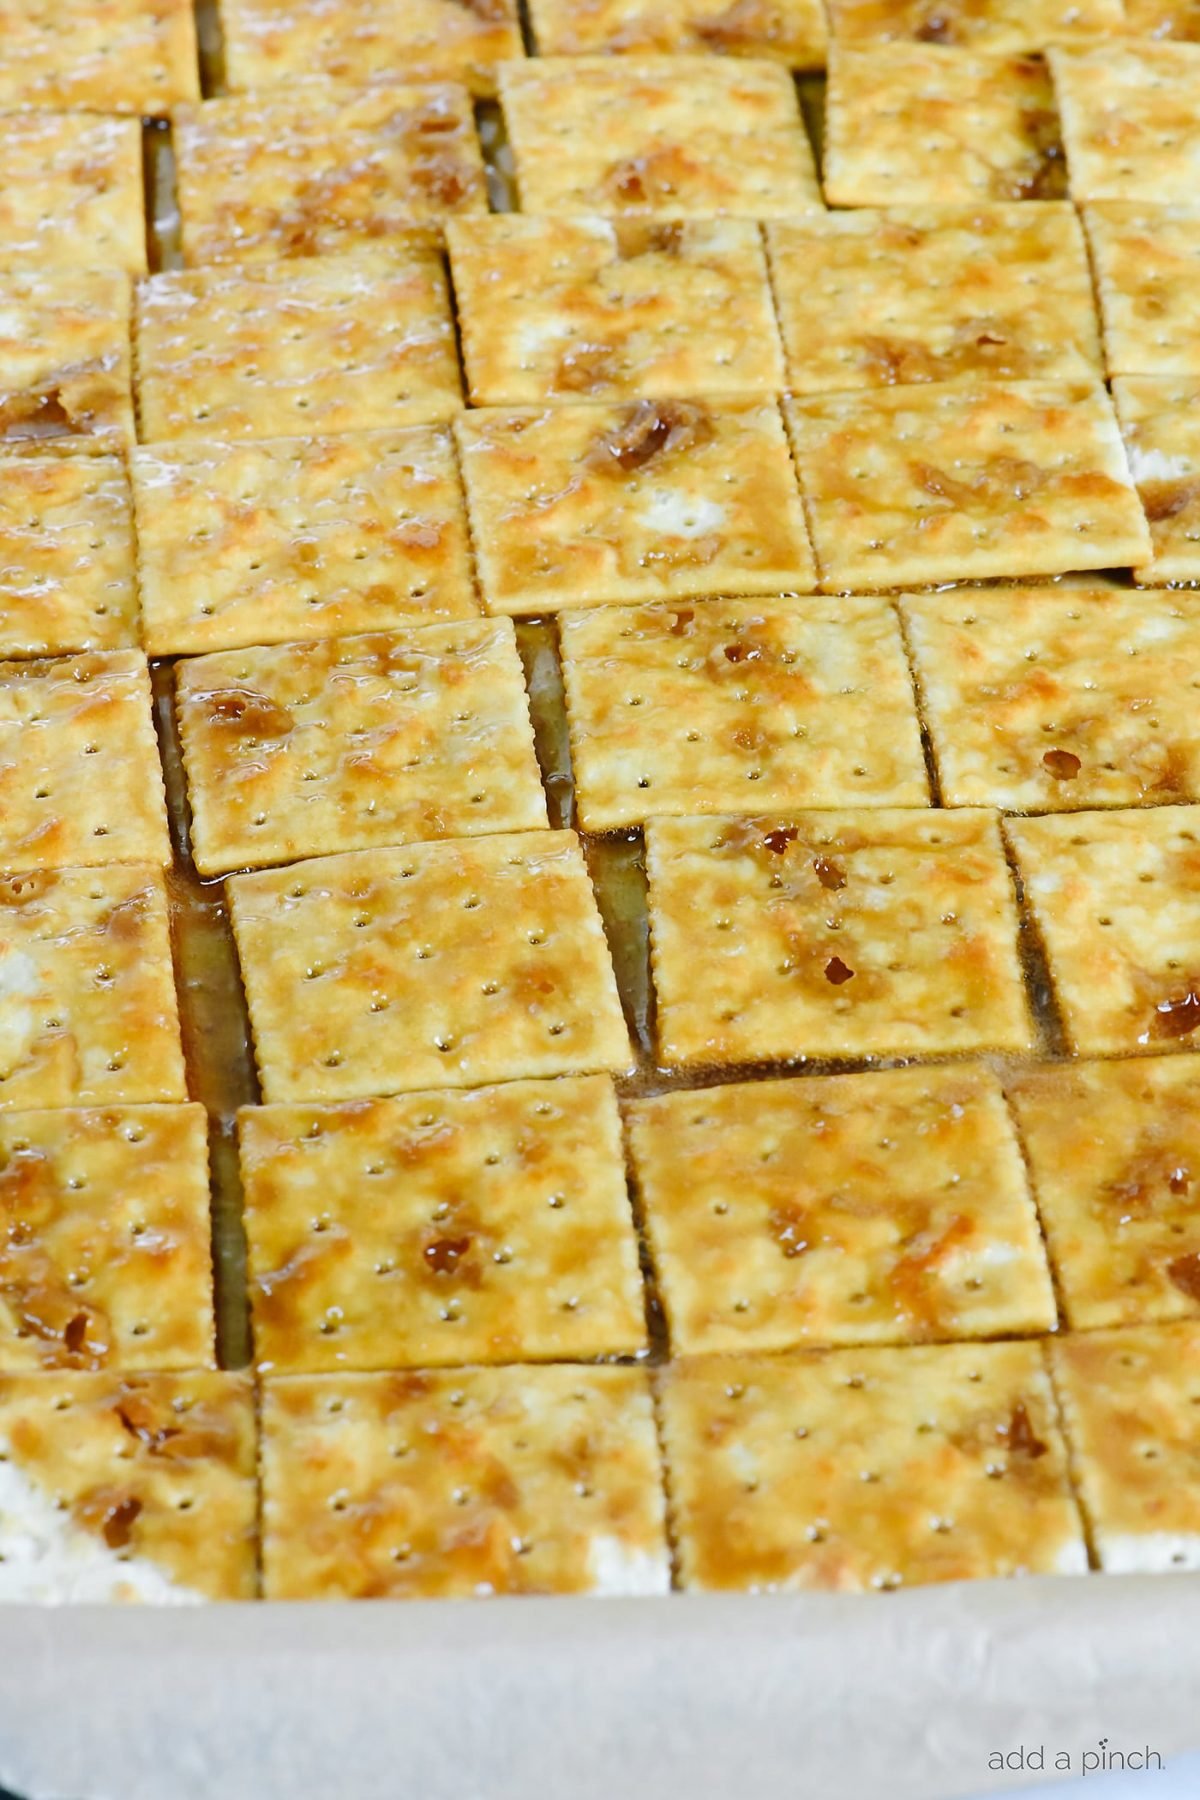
(903, 1697)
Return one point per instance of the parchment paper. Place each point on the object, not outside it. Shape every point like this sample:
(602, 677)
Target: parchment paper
(900, 1697)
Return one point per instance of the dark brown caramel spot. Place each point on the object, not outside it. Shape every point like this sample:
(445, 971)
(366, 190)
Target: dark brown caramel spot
(1185, 1273)
(779, 839)
(585, 368)
(119, 1522)
(444, 1254)
(828, 873)
(1064, 765)
(738, 653)
(1179, 1015)
(681, 620)
(75, 1333)
(936, 29)
(648, 430)
(248, 713)
(1022, 1439)
(837, 972)
(790, 1229)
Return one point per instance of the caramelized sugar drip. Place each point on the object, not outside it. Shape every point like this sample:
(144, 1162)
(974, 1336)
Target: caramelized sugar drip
(212, 48)
(538, 646)
(216, 1033)
(162, 206)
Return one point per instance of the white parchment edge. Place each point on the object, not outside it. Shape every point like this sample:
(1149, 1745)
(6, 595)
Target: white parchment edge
(903, 1696)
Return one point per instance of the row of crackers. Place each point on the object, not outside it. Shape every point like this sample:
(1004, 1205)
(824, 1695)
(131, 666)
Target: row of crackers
(871, 1468)
(142, 56)
(493, 1225)
(318, 166)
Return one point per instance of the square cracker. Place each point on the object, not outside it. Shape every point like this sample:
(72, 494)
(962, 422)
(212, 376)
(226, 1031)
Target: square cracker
(606, 309)
(314, 168)
(920, 125)
(66, 555)
(668, 137)
(953, 483)
(127, 1487)
(71, 192)
(135, 56)
(991, 25)
(708, 707)
(851, 934)
(1114, 1155)
(1130, 120)
(479, 960)
(65, 374)
(792, 32)
(1045, 700)
(578, 505)
(1147, 262)
(849, 1209)
(483, 1227)
(868, 1468)
(1131, 1410)
(441, 1484)
(295, 538)
(271, 41)
(1113, 895)
(1162, 440)
(326, 344)
(89, 1014)
(909, 294)
(80, 780)
(352, 742)
(105, 1246)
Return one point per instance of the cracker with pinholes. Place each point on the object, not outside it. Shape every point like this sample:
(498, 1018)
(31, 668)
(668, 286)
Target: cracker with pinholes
(296, 538)
(441, 1228)
(323, 344)
(878, 1208)
(578, 505)
(991, 25)
(88, 1014)
(315, 168)
(1147, 262)
(1113, 896)
(350, 742)
(268, 42)
(910, 294)
(603, 309)
(136, 56)
(1046, 700)
(80, 780)
(71, 192)
(1114, 1155)
(440, 965)
(127, 1487)
(1130, 120)
(877, 1468)
(849, 934)
(668, 137)
(66, 555)
(1131, 1409)
(441, 1484)
(65, 358)
(105, 1248)
(921, 125)
(949, 482)
(792, 32)
(708, 707)
(1162, 440)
